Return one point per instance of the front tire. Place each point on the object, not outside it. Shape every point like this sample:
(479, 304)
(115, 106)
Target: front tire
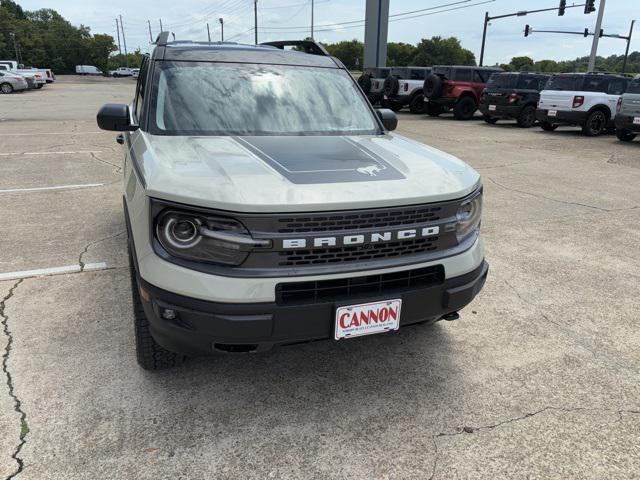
(625, 135)
(434, 109)
(527, 117)
(548, 127)
(417, 105)
(465, 108)
(596, 123)
(150, 355)
(6, 88)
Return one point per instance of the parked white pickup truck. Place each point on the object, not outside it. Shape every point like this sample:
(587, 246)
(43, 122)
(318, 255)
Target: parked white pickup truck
(39, 78)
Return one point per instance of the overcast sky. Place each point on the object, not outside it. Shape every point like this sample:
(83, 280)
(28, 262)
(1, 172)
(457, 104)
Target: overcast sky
(287, 19)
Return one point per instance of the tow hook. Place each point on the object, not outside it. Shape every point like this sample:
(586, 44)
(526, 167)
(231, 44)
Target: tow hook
(120, 139)
(450, 317)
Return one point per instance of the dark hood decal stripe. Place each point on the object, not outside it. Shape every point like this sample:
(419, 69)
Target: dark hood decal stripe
(320, 159)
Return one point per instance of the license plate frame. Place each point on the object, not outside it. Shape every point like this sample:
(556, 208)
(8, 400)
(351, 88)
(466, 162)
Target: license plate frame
(492, 108)
(636, 120)
(365, 323)
(552, 113)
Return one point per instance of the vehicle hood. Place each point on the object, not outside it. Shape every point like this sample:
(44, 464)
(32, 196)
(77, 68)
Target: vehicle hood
(298, 173)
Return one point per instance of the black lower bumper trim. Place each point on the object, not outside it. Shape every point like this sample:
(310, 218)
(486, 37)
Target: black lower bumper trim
(562, 117)
(625, 122)
(195, 326)
(501, 111)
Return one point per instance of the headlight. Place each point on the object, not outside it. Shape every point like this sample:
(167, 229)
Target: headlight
(204, 238)
(468, 218)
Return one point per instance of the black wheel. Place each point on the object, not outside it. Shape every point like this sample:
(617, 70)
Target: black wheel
(417, 104)
(149, 354)
(393, 105)
(365, 82)
(432, 86)
(391, 85)
(490, 120)
(465, 108)
(548, 127)
(434, 109)
(625, 135)
(527, 117)
(39, 86)
(596, 123)
(6, 88)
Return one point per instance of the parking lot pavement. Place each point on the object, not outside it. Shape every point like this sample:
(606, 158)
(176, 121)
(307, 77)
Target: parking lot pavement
(540, 378)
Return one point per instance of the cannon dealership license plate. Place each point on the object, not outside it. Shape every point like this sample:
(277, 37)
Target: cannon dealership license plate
(492, 108)
(367, 318)
(552, 113)
(636, 120)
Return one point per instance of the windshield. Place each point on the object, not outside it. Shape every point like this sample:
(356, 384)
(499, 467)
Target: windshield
(562, 83)
(634, 87)
(201, 98)
(500, 81)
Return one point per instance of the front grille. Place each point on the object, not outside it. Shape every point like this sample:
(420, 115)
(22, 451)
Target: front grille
(370, 285)
(358, 253)
(391, 217)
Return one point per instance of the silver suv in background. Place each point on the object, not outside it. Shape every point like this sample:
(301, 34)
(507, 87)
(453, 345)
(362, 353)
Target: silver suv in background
(628, 117)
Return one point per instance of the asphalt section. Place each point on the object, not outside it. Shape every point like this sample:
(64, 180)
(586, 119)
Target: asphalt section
(540, 378)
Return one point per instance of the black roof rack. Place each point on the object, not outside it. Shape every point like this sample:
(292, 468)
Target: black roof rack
(307, 46)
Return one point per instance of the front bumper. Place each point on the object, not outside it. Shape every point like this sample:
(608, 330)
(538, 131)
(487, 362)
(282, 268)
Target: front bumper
(562, 117)
(501, 111)
(202, 327)
(625, 122)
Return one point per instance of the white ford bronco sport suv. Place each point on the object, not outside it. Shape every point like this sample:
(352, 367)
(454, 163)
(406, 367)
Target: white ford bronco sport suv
(628, 117)
(267, 203)
(404, 87)
(587, 100)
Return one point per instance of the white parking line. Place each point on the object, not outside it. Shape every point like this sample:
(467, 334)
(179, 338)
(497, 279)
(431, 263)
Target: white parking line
(8, 154)
(58, 187)
(45, 272)
(47, 133)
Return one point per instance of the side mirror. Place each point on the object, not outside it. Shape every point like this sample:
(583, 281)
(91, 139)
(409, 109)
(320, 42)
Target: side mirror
(388, 118)
(115, 117)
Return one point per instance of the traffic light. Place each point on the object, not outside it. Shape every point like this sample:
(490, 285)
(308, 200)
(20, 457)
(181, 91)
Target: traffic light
(586, 32)
(562, 7)
(601, 32)
(590, 6)
(527, 30)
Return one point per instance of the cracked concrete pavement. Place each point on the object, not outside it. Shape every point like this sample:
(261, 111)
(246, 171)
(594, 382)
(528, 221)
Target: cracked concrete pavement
(540, 378)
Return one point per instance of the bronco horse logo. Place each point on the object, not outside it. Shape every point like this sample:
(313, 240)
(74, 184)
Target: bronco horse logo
(371, 170)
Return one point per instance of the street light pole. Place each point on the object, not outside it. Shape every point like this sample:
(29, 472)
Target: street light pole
(208, 33)
(596, 38)
(255, 16)
(15, 46)
(221, 29)
(484, 37)
(311, 19)
(626, 53)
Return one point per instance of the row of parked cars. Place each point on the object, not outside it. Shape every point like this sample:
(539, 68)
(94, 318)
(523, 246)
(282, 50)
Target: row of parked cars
(92, 70)
(596, 102)
(15, 77)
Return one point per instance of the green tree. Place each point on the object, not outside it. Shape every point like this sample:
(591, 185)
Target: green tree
(350, 52)
(442, 51)
(400, 54)
(521, 64)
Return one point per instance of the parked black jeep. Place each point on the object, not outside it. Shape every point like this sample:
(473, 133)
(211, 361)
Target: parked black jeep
(512, 96)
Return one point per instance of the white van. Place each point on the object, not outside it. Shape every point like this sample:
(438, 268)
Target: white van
(87, 70)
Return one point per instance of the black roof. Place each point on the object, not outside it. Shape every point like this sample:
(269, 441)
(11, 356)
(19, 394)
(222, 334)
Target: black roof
(239, 53)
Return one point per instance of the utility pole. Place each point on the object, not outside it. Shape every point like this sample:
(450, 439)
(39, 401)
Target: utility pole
(484, 37)
(255, 16)
(221, 29)
(626, 53)
(208, 33)
(124, 41)
(160, 20)
(118, 30)
(596, 38)
(15, 46)
(311, 19)
(150, 35)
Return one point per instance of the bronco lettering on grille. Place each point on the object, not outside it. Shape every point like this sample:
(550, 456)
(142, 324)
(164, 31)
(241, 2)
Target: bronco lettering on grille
(360, 239)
